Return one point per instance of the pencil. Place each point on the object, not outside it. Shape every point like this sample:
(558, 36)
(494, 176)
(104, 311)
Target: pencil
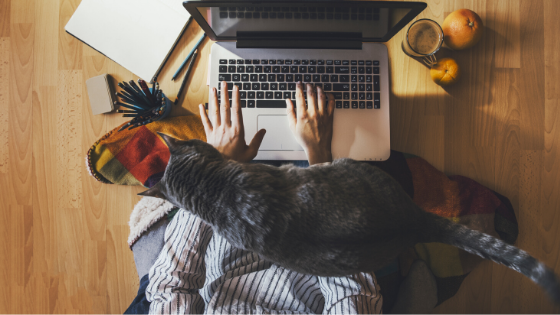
(146, 91)
(186, 77)
(188, 57)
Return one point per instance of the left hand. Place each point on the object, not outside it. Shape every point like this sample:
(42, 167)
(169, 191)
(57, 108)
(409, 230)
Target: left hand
(226, 132)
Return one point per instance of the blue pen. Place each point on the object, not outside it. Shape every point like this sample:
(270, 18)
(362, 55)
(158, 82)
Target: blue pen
(188, 57)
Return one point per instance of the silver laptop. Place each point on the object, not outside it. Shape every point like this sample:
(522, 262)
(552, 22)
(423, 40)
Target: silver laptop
(265, 47)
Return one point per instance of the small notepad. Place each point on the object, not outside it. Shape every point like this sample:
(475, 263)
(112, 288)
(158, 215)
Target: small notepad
(137, 34)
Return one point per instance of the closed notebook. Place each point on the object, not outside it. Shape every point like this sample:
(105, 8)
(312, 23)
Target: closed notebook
(137, 34)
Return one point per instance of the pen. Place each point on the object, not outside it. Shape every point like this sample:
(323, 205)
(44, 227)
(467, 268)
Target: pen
(188, 56)
(146, 91)
(186, 76)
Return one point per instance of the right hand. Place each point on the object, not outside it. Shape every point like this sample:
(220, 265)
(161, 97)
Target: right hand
(313, 126)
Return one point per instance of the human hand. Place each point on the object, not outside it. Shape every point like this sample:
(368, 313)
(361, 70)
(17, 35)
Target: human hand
(313, 126)
(226, 132)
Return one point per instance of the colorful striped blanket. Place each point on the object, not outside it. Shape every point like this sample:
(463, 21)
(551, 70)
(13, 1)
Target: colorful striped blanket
(139, 157)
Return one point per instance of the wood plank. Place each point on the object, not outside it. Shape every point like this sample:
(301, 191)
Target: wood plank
(70, 56)
(4, 104)
(5, 18)
(69, 139)
(21, 69)
(45, 45)
(532, 75)
(505, 23)
(551, 49)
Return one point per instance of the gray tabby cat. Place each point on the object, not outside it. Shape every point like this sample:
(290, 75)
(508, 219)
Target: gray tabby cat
(332, 219)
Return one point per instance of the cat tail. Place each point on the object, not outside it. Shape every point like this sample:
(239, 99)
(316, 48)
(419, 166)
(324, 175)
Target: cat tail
(491, 248)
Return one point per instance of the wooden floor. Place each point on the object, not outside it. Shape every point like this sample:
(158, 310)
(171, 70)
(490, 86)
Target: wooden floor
(63, 234)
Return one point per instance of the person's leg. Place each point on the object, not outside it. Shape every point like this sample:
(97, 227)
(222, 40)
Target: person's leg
(147, 247)
(146, 250)
(418, 291)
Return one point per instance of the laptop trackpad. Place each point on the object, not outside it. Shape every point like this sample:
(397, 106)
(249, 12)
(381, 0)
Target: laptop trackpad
(278, 135)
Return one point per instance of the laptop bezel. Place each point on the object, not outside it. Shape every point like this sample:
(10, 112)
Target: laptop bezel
(415, 9)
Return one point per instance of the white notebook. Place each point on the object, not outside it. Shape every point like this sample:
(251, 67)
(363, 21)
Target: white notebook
(137, 34)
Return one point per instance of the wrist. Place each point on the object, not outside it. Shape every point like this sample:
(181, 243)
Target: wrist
(318, 156)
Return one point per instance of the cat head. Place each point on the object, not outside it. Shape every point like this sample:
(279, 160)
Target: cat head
(181, 152)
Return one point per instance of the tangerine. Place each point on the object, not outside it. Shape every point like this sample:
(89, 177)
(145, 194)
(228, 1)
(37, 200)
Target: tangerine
(445, 72)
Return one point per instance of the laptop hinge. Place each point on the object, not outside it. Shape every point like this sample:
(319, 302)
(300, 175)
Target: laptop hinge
(302, 40)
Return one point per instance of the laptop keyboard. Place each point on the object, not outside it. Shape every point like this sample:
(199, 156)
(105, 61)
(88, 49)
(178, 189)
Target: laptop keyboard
(311, 13)
(265, 83)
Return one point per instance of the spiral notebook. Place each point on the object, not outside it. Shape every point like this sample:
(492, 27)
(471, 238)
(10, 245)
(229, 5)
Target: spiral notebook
(137, 34)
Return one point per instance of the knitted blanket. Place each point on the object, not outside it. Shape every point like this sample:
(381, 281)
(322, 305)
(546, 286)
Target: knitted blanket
(140, 158)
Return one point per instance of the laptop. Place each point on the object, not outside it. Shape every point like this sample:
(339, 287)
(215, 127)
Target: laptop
(265, 47)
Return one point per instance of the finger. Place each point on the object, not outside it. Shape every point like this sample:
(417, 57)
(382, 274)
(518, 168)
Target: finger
(236, 115)
(311, 100)
(321, 101)
(224, 105)
(255, 144)
(300, 101)
(292, 120)
(226, 117)
(330, 105)
(205, 121)
(214, 109)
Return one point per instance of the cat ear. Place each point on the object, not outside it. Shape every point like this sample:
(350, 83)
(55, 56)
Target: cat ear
(172, 143)
(155, 191)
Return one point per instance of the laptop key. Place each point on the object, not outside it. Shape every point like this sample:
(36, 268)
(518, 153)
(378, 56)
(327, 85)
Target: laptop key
(354, 62)
(246, 86)
(375, 70)
(260, 94)
(256, 61)
(254, 77)
(369, 87)
(251, 94)
(267, 69)
(320, 62)
(288, 62)
(360, 62)
(231, 69)
(354, 95)
(369, 104)
(272, 62)
(311, 69)
(376, 62)
(376, 100)
(361, 78)
(264, 86)
(330, 69)
(256, 86)
(304, 62)
(321, 69)
(244, 77)
(224, 77)
(242, 95)
(312, 62)
(223, 61)
(338, 104)
(247, 61)
(354, 87)
(329, 62)
(232, 61)
(302, 69)
(337, 62)
(316, 78)
(369, 96)
(285, 69)
(325, 78)
(368, 78)
(354, 70)
(354, 78)
(346, 104)
(361, 70)
(334, 78)
(243, 103)
(280, 62)
(297, 62)
(344, 78)
(376, 83)
(276, 69)
(277, 95)
(362, 96)
(354, 104)
(249, 69)
(258, 69)
(271, 78)
(274, 86)
(307, 78)
(346, 96)
(341, 87)
(362, 104)
(327, 87)
(369, 70)
(240, 61)
(289, 78)
(368, 62)
(291, 86)
(264, 61)
(238, 85)
(345, 62)
(223, 69)
(294, 69)
(337, 95)
(288, 95)
(262, 77)
(251, 103)
(282, 86)
(268, 103)
(362, 87)
(298, 78)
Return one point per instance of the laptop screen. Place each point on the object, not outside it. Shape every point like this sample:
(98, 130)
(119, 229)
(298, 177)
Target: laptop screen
(370, 21)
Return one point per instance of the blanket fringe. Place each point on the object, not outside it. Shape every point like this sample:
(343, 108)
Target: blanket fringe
(146, 213)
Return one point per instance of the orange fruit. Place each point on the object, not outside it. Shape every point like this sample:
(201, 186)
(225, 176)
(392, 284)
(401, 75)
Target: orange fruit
(445, 72)
(462, 29)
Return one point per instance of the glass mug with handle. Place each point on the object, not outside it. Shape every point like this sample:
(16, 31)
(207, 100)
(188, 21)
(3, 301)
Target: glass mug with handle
(423, 39)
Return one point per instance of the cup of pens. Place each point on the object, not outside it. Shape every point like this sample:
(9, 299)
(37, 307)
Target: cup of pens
(143, 104)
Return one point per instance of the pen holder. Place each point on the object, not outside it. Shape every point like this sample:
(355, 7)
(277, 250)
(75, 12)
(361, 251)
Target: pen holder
(143, 104)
